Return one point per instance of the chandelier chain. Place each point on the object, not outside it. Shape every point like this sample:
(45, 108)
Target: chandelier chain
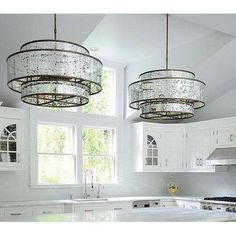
(167, 40)
(55, 26)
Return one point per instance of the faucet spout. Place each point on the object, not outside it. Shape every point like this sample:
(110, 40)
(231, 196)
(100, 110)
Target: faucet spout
(86, 195)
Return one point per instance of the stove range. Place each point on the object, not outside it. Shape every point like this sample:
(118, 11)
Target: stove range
(220, 203)
(222, 199)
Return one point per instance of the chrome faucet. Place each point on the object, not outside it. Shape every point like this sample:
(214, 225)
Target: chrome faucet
(99, 191)
(86, 195)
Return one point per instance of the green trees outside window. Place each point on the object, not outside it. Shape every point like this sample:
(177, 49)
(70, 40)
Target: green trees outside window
(98, 153)
(56, 162)
(103, 103)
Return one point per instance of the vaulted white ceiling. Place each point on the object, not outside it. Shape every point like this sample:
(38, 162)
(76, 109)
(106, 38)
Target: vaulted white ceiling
(204, 44)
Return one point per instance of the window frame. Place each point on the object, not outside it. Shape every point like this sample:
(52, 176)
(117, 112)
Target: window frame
(115, 84)
(73, 153)
(80, 119)
(114, 151)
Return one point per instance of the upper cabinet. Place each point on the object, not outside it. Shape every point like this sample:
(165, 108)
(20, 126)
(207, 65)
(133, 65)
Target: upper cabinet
(157, 149)
(226, 136)
(200, 144)
(152, 150)
(173, 149)
(11, 138)
(146, 147)
(181, 147)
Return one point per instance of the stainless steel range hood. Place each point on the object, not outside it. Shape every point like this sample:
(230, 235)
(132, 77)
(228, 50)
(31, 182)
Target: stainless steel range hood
(222, 156)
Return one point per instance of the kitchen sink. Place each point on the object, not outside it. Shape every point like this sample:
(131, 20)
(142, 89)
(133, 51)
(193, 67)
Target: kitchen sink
(91, 200)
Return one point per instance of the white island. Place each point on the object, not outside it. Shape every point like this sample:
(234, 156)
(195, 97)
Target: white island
(172, 214)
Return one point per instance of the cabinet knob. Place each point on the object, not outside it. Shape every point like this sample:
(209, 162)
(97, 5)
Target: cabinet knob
(197, 162)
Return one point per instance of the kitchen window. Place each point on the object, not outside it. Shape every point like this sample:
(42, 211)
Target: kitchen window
(56, 156)
(65, 143)
(99, 153)
(104, 103)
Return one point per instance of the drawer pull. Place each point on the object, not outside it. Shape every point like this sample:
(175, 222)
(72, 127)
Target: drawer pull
(47, 212)
(118, 208)
(15, 214)
(90, 210)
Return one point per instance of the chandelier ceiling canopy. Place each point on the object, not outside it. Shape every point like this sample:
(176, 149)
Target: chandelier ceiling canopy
(54, 73)
(166, 94)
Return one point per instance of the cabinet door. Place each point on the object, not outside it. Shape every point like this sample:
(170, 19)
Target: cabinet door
(194, 153)
(226, 136)
(172, 156)
(10, 143)
(207, 147)
(168, 203)
(200, 146)
(1, 213)
(18, 212)
(192, 205)
(42, 210)
(152, 155)
(92, 207)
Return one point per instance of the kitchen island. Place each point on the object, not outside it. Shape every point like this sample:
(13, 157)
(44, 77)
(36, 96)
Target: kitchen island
(171, 214)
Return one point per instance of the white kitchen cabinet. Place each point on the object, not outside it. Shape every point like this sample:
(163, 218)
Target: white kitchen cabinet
(200, 144)
(146, 147)
(180, 147)
(107, 206)
(168, 203)
(192, 205)
(173, 150)
(188, 204)
(226, 136)
(17, 212)
(11, 139)
(1, 213)
(152, 150)
(47, 209)
(158, 147)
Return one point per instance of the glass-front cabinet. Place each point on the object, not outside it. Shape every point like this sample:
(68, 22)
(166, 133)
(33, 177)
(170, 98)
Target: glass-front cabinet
(11, 157)
(152, 144)
(152, 157)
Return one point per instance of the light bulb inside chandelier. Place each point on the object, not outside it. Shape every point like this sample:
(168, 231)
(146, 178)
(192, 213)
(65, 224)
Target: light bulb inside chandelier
(54, 73)
(167, 93)
(54, 93)
(166, 111)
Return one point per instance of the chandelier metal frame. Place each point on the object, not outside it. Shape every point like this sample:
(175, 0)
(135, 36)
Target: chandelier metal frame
(166, 94)
(54, 73)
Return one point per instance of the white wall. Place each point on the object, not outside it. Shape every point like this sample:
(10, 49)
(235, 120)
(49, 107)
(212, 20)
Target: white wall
(224, 106)
(16, 185)
(208, 184)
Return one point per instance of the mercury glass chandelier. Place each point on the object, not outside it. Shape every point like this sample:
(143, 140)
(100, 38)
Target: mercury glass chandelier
(54, 73)
(166, 94)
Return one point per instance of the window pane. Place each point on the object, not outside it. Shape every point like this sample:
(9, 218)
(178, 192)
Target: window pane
(97, 141)
(102, 167)
(56, 169)
(103, 103)
(55, 139)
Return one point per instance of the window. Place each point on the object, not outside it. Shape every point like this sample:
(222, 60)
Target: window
(72, 140)
(99, 153)
(56, 158)
(104, 103)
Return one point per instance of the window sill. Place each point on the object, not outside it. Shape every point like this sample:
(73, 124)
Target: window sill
(66, 186)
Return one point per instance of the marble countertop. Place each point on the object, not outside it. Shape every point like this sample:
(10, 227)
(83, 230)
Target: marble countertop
(26, 203)
(83, 201)
(134, 215)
